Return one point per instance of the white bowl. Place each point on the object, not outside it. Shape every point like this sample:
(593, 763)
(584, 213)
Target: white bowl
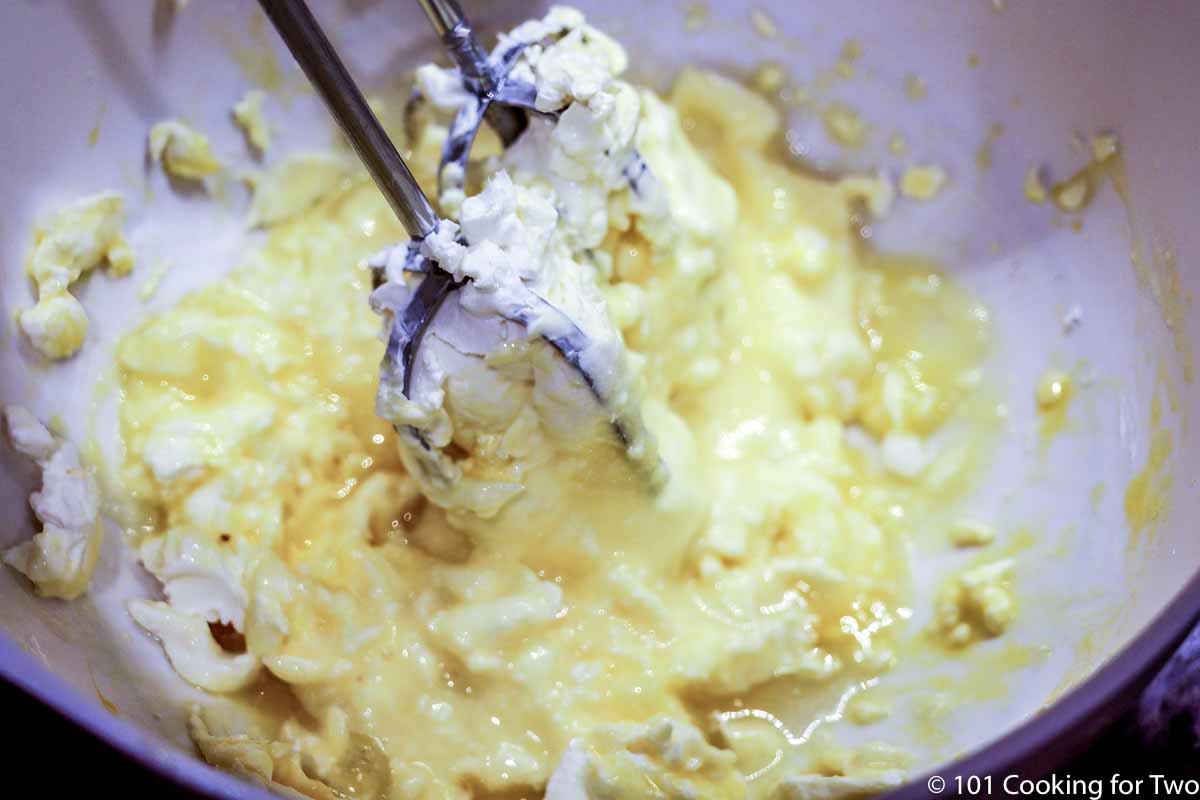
(1046, 71)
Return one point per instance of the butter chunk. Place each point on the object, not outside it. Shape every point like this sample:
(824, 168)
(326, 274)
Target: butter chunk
(182, 151)
(248, 114)
(977, 604)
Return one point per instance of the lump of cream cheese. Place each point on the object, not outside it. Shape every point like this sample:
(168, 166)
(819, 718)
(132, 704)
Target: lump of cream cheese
(479, 370)
(72, 241)
(58, 560)
(531, 269)
(189, 644)
(182, 151)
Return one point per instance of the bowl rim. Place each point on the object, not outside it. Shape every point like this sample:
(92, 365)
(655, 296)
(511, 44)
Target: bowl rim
(1032, 749)
(1065, 727)
(187, 770)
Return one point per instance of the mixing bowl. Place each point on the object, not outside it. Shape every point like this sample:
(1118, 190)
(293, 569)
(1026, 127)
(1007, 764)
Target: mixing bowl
(1106, 573)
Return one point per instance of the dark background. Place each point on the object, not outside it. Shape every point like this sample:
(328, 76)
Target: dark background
(69, 761)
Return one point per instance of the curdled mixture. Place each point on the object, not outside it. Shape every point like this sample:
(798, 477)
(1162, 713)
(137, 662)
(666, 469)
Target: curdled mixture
(483, 590)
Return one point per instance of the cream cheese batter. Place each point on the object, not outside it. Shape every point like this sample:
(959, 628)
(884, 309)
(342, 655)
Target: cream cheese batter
(547, 623)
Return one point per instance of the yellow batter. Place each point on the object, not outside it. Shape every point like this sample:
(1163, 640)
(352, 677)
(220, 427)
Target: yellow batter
(369, 643)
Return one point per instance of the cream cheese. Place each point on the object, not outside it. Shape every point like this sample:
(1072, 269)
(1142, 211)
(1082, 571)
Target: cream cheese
(68, 244)
(526, 259)
(193, 653)
(59, 560)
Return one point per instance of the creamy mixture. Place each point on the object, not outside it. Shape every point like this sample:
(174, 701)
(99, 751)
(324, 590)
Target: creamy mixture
(538, 613)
